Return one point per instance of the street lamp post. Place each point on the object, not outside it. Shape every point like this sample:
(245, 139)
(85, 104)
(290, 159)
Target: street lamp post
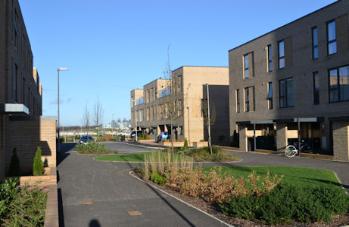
(60, 69)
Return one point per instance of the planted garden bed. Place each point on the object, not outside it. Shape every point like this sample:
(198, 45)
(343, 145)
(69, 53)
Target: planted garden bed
(21, 206)
(92, 148)
(252, 195)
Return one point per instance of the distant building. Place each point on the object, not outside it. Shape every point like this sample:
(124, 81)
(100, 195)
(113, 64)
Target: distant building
(21, 125)
(293, 83)
(181, 100)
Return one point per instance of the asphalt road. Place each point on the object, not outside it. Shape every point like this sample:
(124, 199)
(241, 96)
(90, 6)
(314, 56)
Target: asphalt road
(98, 194)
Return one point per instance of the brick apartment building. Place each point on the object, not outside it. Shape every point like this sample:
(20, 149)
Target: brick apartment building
(21, 125)
(293, 82)
(182, 99)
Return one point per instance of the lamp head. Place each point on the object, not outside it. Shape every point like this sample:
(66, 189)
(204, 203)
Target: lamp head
(61, 69)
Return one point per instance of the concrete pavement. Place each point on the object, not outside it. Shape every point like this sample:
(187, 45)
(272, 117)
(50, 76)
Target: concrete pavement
(104, 194)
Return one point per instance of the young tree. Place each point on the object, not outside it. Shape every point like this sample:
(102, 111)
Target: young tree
(174, 105)
(98, 115)
(86, 119)
(209, 113)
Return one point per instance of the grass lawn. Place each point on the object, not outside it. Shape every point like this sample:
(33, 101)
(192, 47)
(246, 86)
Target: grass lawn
(135, 157)
(303, 177)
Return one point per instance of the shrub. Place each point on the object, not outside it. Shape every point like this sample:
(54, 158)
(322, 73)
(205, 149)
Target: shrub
(38, 165)
(186, 145)
(21, 206)
(14, 169)
(158, 179)
(203, 154)
(103, 138)
(27, 208)
(91, 148)
(287, 203)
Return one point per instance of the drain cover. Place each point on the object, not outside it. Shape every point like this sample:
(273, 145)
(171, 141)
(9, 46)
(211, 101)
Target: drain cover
(87, 202)
(134, 213)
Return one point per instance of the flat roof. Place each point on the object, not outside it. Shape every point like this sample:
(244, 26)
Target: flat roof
(294, 21)
(196, 66)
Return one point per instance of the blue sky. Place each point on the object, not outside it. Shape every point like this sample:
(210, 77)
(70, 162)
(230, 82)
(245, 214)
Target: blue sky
(112, 46)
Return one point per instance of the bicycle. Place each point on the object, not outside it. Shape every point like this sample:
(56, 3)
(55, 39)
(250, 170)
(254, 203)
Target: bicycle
(291, 151)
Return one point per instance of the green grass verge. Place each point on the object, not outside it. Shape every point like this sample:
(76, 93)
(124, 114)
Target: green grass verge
(303, 177)
(135, 157)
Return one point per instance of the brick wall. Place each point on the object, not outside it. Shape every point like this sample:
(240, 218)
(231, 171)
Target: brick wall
(48, 140)
(26, 136)
(341, 141)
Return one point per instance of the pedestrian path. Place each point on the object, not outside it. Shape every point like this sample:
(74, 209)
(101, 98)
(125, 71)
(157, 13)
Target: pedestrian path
(104, 194)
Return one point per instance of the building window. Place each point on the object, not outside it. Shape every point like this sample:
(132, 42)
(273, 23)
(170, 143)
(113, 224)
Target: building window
(315, 39)
(339, 84)
(237, 95)
(246, 66)
(269, 58)
(270, 96)
(316, 88)
(286, 93)
(249, 99)
(331, 38)
(281, 54)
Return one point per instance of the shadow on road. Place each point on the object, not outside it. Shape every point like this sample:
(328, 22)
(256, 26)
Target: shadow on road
(94, 223)
(60, 208)
(64, 152)
(61, 156)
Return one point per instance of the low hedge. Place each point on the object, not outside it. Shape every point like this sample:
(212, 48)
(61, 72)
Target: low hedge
(288, 204)
(92, 148)
(21, 206)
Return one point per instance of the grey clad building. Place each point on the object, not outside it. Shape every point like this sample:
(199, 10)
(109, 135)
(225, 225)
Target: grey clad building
(293, 83)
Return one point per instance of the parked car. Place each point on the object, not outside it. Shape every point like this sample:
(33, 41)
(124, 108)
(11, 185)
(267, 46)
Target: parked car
(86, 139)
(133, 134)
(162, 137)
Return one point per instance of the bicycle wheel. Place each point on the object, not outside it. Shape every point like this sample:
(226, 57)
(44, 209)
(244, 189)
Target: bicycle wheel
(290, 151)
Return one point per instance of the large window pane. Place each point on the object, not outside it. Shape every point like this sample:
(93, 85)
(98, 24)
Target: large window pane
(344, 83)
(281, 54)
(331, 38)
(237, 101)
(333, 80)
(247, 100)
(282, 63)
(270, 95)
(316, 88)
(246, 67)
(282, 95)
(281, 49)
(286, 93)
(290, 93)
(315, 37)
(332, 48)
(331, 29)
(270, 58)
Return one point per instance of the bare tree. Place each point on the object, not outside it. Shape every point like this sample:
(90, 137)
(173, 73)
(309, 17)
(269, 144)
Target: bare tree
(98, 115)
(86, 119)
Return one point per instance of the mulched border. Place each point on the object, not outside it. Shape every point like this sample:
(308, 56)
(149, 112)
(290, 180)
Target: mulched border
(201, 204)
